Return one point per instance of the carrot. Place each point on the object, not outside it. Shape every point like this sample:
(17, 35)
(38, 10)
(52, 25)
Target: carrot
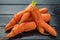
(17, 17)
(29, 19)
(43, 10)
(41, 30)
(46, 17)
(40, 23)
(14, 20)
(16, 30)
(10, 24)
(29, 26)
(32, 27)
(23, 27)
(28, 8)
(24, 17)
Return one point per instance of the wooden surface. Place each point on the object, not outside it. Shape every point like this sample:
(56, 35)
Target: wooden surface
(10, 7)
(29, 1)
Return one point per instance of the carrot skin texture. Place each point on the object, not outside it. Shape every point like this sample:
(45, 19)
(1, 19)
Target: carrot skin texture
(24, 17)
(39, 21)
(29, 26)
(23, 27)
(46, 17)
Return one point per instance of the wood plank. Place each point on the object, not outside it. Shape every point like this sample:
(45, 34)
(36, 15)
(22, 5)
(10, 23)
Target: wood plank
(4, 19)
(12, 9)
(29, 1)
(55, 20)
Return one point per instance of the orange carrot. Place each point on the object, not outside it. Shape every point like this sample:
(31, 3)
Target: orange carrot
(40, 23)
(24, 17)
(29, 19)
(16, 30)
(41, 30)
(46, 17)
(28, 8)
(28, 26)
(43, 10)
(14, 20)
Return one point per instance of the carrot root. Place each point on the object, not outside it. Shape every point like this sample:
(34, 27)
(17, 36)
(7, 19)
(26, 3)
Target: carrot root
(19, 28)
(40, 22)
(43, 10)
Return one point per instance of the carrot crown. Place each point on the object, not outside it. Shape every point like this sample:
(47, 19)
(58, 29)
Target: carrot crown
(33, 3)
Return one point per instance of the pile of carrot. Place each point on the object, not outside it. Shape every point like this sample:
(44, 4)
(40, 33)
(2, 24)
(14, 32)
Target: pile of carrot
(29, 19)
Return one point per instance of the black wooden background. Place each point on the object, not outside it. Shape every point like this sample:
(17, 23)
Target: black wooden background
(10, 7)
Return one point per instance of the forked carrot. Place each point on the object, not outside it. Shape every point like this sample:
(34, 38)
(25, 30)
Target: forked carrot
(44, 17)
(41, 30)
(23, 27)
(39, 21)
(16, 30)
